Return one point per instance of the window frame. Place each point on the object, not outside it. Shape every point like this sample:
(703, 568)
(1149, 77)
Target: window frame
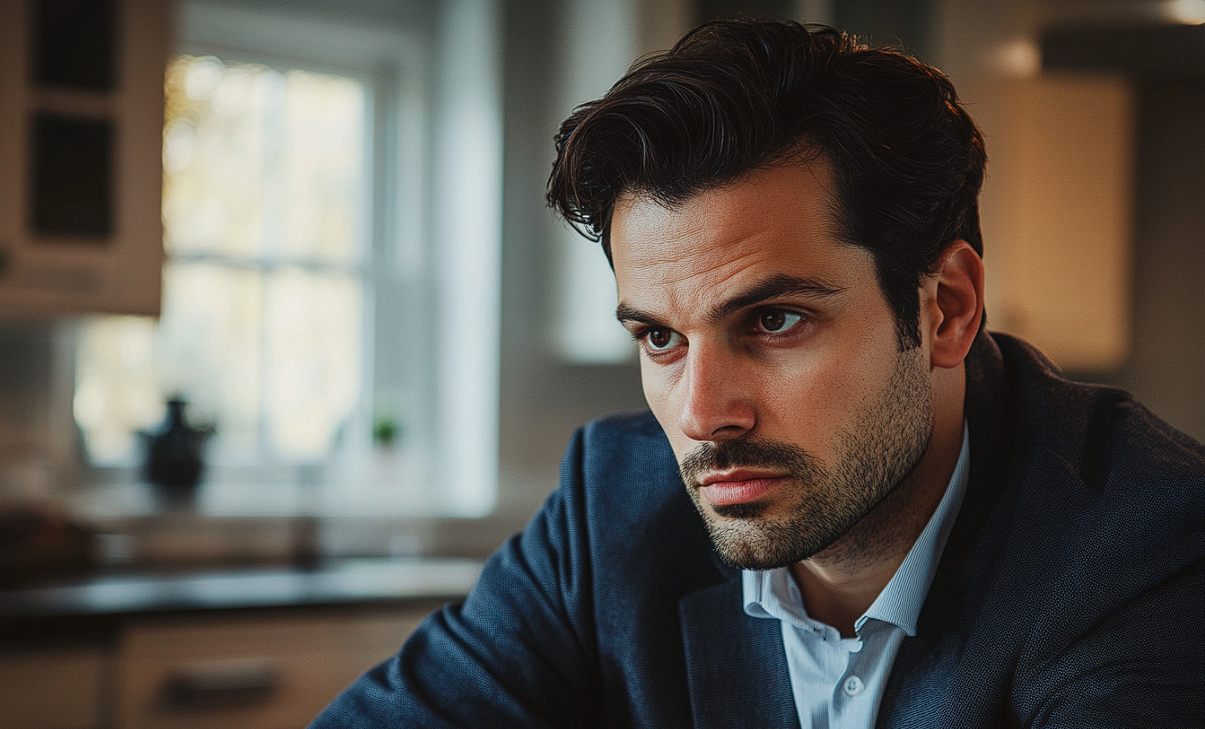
(407, 278)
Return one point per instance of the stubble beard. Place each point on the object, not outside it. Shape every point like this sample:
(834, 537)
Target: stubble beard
(883, 448)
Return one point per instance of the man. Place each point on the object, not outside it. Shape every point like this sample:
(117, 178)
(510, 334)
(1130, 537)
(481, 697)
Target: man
(905, 521)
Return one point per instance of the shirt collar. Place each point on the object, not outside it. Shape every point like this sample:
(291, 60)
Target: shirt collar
(772, 593)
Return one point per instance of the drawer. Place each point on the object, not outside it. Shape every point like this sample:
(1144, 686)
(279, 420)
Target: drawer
(51, 689)
(257, 673)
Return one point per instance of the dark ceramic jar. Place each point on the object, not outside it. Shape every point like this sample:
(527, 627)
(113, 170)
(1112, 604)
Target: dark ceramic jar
(175, 455)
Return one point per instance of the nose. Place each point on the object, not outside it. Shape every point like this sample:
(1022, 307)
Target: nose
(715, 400)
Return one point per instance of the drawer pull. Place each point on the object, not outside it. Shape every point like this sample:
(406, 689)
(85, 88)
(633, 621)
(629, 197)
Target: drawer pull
(221, 683)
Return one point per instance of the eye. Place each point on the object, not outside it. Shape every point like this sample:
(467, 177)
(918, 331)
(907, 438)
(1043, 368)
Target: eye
(775, 321)
(660, 340)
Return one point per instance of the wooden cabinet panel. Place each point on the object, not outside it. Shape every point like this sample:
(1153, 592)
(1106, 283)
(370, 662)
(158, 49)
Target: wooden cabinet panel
(267, 673)
(1058, 216)
(112, 183)
(51, 689)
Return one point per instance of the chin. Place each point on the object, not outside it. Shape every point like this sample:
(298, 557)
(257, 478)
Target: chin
(761, 543)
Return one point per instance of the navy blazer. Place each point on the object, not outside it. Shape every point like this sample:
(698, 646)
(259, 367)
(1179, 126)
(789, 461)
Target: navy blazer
(1069, 594)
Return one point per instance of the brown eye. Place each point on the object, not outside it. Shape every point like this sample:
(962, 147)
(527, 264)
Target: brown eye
(661, 338)
(773, 321)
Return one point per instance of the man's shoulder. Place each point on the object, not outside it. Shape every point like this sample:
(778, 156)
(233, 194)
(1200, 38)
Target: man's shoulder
(1070, 482)
(1082, 500)
(1077, 548)
(620, 441)
(1101, 433)
(624, 429)
(623, 463)
(1084, 478)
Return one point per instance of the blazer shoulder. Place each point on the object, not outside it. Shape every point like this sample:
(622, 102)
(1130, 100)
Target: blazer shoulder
(620, 461)
(1102, 433)
(622, 428)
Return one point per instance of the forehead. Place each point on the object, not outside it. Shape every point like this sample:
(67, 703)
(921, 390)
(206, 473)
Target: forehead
(773, 222)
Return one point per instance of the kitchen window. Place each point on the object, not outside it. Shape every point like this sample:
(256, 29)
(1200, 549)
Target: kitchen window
(261, 328)
(301, 284)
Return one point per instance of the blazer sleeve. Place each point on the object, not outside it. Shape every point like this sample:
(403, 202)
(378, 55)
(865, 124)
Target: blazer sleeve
(519, 652)
(1141, 666)
(1119, 640)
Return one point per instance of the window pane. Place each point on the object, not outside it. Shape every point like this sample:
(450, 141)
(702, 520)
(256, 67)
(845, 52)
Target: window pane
(263, 164)
(208, 347)
(217, 146)
(313, 353)
(322, 167)
(116, 388)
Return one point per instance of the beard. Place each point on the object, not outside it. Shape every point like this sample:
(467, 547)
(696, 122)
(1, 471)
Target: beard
(823, 502)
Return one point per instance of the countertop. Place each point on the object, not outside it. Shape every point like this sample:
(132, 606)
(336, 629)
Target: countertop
(98, 603)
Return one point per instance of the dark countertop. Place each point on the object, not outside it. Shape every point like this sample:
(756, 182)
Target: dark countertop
(96, 605)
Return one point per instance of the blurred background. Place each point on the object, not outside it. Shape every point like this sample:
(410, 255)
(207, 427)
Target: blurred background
(318, 227)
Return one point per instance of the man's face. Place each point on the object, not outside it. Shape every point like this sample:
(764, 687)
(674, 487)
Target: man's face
(771, 360)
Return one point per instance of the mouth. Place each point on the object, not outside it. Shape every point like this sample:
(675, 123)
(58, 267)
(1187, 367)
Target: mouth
(726, 488)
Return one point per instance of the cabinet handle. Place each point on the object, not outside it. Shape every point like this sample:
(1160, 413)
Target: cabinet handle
(221, 683)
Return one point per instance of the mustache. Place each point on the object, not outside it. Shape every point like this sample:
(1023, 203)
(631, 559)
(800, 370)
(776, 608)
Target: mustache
(752, 453)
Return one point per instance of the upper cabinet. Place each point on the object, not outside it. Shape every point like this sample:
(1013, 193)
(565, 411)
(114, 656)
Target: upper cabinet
(81, 126)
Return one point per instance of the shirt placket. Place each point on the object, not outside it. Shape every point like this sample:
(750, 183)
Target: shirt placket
(848, 707)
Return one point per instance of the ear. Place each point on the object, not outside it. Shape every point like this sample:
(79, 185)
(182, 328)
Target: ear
(953, 298)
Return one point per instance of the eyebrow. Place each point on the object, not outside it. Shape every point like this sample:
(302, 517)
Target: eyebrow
(770, 288)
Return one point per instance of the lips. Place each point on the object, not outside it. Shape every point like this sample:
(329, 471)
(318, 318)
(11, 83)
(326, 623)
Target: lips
(738, 487)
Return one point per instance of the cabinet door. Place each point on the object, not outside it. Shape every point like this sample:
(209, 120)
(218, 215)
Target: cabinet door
(1060, 217)
(248, 673)
(51, 689)
(81, 161)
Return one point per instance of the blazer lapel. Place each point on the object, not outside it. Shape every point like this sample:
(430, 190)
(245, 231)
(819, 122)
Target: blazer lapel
(736, 666)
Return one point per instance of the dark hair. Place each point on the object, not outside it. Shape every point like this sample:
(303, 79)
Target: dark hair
(736, 95)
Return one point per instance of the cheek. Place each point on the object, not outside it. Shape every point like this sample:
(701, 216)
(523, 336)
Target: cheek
(801, 404)
(815, 396)
(658, 393)
(654, 389)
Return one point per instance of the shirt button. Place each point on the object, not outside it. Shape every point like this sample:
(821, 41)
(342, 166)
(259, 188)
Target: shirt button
(854, 686)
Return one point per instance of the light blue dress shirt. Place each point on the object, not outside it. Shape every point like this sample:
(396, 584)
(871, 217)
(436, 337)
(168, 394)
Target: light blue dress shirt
(838, 682)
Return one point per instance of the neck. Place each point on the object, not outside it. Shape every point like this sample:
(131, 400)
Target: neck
(841, 582)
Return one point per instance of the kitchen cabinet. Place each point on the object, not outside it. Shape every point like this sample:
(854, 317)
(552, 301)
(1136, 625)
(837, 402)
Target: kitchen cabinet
(55, 688)
(245, 649)
(249, 673)
(239, 672)
(81, 130)
(1058, 216)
